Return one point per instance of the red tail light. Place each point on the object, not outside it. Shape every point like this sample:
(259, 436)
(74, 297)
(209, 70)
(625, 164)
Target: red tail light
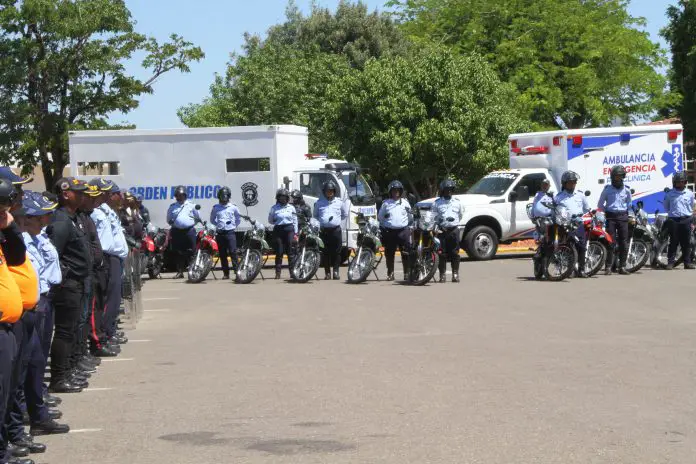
(557, 141)
(673, 135)
(577, 140)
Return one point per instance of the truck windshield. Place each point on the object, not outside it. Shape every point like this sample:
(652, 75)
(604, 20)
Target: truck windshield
(494, 184)
(360, 194)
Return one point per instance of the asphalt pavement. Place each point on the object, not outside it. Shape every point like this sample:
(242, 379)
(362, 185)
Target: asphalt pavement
(496, 369)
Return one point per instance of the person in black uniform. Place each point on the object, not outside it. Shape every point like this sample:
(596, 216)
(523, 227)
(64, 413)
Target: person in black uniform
(70, 239)
(304, 212)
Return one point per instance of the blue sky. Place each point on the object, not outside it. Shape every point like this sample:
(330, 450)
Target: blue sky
(217, 26)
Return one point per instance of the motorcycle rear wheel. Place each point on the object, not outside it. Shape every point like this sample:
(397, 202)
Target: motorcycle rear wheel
(423, 268)
(561, 263)
(249, 266)
(637, 256)
(200, 267)
(304, 268)
(358, 272)
(596, 257)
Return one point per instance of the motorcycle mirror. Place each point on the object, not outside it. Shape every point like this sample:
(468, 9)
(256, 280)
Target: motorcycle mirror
(632, 191)
(411, 198)
(666, 189)
(331, 218)
(198, 206)
(587, 193)
(450, 219)
(639, 204)
(549, 194)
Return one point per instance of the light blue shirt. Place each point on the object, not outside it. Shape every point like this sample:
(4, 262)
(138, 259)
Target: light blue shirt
(394, 214)
(330, 213)
(445, 210)
(541, 207)
(37, 260)
(120, 245)
(679, 203)
(50, 256)
(576, 202)
(106, 236)
(225, 217)
(282, 215)
(615, 200)
(182, 215)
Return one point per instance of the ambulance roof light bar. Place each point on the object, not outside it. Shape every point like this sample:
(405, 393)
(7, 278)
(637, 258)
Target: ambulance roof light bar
(313, 156)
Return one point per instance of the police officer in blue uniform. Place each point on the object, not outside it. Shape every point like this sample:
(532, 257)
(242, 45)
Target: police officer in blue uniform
(331, 211)
(225, 217)
(182, 215)
(448, 214)
(616, 200)
(679, 205)
(542, 203)
(576, 203)
(284, 219)
(395, 217)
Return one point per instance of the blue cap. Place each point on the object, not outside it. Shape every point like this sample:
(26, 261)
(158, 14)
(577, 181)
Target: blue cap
(105, 185)
(7, 173)
(36, 205)
(44, 201)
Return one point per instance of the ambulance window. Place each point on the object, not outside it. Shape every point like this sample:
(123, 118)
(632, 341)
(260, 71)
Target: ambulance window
(533, 182)
(248, 164)
(99, 168)
(310, 183)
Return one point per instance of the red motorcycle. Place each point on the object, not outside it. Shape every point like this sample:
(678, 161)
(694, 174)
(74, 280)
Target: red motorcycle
(206, 248)
(598, 242)
(152, 250)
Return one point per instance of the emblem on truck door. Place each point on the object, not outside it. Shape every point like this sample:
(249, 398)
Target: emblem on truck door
(250, 194)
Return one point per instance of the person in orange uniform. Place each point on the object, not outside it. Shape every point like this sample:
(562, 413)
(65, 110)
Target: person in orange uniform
(12, 254)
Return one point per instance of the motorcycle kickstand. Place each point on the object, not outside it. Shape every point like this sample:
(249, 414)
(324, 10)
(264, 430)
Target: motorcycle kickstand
(212, 269)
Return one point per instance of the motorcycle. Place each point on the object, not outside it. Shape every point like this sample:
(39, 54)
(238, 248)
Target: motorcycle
(308, 252)
(640, 238)
(424, 255)
(662, 248)
(598, 240)
(206, 248)
(152, 249)
(365, 258)
(556, 255)
(251, 253)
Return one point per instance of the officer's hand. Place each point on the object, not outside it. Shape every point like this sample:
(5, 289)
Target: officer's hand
(295, 238)
(6, 219)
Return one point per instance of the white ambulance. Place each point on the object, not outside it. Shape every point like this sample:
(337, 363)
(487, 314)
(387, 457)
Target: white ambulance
(252, 161)
(495, 207)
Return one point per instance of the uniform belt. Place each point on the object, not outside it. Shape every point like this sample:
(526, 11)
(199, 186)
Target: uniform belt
(182, 228)
(225, 232)
(395, 228)
(6, 326)
(329, 227)
(679, 218)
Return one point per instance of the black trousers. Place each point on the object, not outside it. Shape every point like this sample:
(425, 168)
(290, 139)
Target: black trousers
(581, 245)
(183, 243)
(227, 247)
(393, 239)
(8, 354)
(9, 425)
(97, 336)
(331, 236)
(282, 244)
(449, 240)
(68, 304)
(82, 331)
(679, 235)
(617, 227)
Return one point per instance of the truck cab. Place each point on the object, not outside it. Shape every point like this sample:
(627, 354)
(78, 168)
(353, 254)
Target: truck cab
(310, 176)
(495, 209)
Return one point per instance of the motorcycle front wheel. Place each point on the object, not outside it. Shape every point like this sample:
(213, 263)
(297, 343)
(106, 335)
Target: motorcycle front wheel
(637, 256)
(360, 266)
(423, 268)
(250, 263)
(200, 267)
(561, 263)
(305, 265)
(596, 257)
(662, 255)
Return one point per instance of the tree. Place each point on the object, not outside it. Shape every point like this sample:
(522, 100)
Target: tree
(61, 67)
(680, 33)
(423, 118)
(577, 63)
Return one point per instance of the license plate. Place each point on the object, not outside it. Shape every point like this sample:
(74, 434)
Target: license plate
(368, 211)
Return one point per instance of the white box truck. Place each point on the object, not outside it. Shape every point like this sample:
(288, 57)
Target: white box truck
(252, 161)
(495, 206)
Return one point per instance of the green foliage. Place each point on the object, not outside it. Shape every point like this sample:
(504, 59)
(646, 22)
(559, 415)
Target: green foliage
(681, 35)
(61, 67)
(583, 62)
(422, 118)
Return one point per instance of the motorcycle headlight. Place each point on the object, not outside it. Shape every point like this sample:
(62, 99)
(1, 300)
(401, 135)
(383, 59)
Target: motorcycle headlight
(562, 216)
(600, 219)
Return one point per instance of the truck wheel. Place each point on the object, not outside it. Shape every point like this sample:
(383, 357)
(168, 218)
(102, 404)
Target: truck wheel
(481, 243)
